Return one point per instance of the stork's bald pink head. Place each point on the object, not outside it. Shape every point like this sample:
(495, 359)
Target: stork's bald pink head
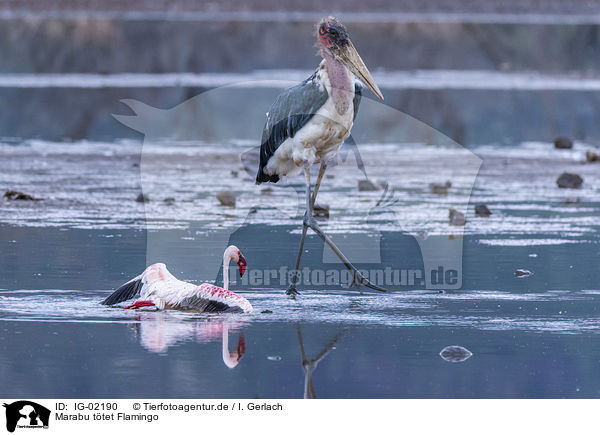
(332, 33)
(333, 41)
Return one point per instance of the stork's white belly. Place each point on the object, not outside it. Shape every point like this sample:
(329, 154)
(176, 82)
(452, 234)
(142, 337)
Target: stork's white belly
(319, 140)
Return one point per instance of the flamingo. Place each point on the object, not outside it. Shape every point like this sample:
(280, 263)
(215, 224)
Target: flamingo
(156, 286)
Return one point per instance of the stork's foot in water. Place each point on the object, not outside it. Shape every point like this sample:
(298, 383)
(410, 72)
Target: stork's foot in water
(291, 291)
(139, 304)
(357, 278)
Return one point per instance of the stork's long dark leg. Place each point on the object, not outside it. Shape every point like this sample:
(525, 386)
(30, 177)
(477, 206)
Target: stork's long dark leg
(292, 288)
(318, 183)
(309, 221)
(357, 278)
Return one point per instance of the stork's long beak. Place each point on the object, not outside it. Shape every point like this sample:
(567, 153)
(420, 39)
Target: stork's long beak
(350, 57)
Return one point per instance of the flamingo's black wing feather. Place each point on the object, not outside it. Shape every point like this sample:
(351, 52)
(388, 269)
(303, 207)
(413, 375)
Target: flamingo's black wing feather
(127, 291)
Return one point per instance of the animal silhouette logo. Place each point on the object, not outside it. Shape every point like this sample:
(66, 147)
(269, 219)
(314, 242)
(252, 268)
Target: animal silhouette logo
(26, 414)
(210, 142)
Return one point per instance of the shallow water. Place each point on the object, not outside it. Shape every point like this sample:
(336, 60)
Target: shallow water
(530, 337)
(379, 347)
(534, 336)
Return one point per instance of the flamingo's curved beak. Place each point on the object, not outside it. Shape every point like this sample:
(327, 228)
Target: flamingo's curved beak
(241, 348)
(242, 265)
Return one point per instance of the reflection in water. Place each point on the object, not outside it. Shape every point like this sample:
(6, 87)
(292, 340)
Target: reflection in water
(309, 366)
(157, 331)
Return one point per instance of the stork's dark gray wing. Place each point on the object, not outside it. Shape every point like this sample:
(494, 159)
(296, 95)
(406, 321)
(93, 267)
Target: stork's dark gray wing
(292, 109)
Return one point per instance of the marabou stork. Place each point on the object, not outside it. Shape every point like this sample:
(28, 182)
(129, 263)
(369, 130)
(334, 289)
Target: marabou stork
(156, 286)
(308, 124)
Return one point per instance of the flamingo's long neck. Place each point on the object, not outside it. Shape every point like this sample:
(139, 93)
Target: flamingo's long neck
(226, 273)
(226, 355)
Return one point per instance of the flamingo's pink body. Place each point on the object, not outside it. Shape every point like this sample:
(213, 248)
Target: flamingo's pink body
(156, 286)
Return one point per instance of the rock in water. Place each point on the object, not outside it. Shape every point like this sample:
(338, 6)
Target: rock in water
(563, 143)
(367, 186)
(523, 273)
(455, 354)
(569, 181)
(591, 156)
(142, 198)
(440, 189)
(321, 211)
(226, 198)
(482, 210)
(456, 217)
(19, 196)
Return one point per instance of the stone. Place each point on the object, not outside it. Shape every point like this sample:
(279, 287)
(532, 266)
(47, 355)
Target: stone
(367, 186)
(523, 273)
(563, 143)
(591, 156)
(440, 189)
(569, 181)
(15, 195)
(482, 210)
(321, 211)
(455, 354)
(456, 217)
(142, 198)
(226, 198)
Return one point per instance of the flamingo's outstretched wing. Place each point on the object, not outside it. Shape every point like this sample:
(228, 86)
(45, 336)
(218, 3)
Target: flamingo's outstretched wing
(127, 291)
(208, 298)
(136, 287)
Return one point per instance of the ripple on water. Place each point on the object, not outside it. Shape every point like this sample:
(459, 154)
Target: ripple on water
(483, 310)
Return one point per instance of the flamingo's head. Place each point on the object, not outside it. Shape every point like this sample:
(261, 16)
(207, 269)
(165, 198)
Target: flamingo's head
(234, 254)
(232, 359)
